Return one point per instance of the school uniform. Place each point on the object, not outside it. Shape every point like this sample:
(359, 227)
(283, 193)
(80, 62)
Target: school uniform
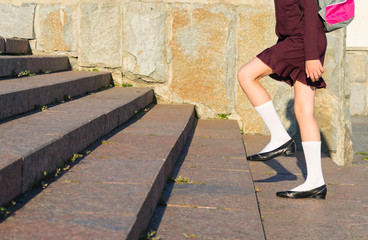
(300, 39)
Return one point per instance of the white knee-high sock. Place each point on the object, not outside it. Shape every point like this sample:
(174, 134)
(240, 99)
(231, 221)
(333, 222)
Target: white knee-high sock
(312, 154)
(279, 136)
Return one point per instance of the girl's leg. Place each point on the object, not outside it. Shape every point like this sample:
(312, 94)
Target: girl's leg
(311, 139)
(248, 77)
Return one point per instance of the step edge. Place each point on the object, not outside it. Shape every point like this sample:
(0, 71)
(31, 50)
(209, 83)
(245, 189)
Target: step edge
(142, 221)
(95, 83)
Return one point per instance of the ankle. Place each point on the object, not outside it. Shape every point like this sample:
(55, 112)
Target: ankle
(275, 143)
(309, 185)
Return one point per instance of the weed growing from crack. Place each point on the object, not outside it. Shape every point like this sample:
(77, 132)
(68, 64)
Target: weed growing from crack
(4, 212)
(181, 179)
(363, 154)
(65, 166)
(76, 156)
(149, 236)
(126, 84)
(184, 180)
(106, 142)
(57, 172)
(26, 73)
(191, 236)
(43, 108)
(224, 115)
(67, 98)
(44, 184)
(256, 189)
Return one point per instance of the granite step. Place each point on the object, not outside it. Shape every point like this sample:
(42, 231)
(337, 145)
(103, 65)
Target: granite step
(39, 143)
(14, 46)
(212, 195)
(113, 191)
(11, 66)
(20, 95)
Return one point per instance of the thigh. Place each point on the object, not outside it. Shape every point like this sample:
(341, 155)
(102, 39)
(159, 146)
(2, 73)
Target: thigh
(255, 69)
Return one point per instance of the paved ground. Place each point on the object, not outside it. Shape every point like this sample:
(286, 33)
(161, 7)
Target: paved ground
(344, 213)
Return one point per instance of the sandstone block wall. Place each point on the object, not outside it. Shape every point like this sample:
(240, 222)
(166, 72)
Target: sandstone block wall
(189, 51)
(358, 68)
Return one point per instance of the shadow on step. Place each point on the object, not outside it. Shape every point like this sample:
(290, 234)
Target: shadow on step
(166, 193)
(282, 174)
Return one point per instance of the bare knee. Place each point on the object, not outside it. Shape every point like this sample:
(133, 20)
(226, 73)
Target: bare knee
(245, 76)
(242, 74)
(304, 111)
(253, 71)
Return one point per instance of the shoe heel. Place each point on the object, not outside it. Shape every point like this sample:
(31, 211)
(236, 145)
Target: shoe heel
(290, 151)
(321, 195)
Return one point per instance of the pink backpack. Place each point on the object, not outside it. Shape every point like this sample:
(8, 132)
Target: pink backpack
(335, 13)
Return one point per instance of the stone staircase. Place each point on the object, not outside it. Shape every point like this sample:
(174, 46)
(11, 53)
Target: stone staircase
(49, 119)
(81, 159)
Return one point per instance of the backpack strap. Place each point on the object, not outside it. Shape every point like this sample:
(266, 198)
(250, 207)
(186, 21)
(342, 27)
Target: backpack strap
(302, 10)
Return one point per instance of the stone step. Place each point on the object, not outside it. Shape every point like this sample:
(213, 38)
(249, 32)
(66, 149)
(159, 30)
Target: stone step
(213, 196)
(113, 191)
(14, 65)
(39, 143)
(14, 46)
(19, 95)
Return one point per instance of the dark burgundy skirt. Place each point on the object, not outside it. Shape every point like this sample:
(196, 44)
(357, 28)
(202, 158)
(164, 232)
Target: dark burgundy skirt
(287, 61)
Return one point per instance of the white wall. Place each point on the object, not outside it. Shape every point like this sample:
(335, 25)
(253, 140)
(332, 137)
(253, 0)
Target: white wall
(357, 31)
